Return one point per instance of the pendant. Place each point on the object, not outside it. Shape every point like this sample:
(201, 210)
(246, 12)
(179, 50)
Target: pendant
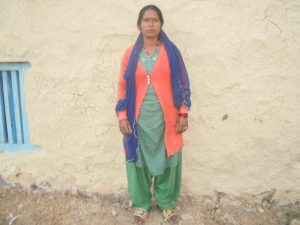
(148, 79)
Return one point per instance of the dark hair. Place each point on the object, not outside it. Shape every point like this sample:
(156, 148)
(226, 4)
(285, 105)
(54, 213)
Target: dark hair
(151, 7)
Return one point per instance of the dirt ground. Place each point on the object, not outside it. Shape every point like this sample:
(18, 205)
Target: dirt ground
(37, 206)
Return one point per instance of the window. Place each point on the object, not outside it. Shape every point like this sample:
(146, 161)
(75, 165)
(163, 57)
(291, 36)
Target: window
(14, 132)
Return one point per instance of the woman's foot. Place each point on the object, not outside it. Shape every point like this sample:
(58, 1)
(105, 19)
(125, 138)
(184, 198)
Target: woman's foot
(140, 216)
(169, 216)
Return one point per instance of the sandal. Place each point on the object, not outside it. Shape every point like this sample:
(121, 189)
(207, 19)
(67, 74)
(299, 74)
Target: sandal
(140, 216)
(169, 216)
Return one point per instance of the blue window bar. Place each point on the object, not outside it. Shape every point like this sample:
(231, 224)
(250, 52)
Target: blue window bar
(14, 131)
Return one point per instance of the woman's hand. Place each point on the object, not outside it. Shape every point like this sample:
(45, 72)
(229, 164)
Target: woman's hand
(182, 124)
(124, 127)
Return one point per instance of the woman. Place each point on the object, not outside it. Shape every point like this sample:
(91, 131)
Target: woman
(152, 108)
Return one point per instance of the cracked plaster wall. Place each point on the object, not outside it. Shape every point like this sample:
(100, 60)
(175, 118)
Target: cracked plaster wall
(243, 58)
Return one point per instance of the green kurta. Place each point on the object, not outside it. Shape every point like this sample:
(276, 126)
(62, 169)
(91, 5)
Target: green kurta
(151, 127)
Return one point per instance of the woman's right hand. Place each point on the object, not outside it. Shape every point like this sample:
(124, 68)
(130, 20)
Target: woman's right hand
(124, 127)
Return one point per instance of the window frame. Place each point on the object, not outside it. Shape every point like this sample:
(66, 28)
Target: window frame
(14, 134)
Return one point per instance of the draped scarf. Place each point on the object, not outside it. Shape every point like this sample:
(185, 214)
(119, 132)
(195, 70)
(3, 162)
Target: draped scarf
(180, 88)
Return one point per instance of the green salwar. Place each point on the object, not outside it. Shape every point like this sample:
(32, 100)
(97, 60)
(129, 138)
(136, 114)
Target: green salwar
(152, 158)
(166, 186)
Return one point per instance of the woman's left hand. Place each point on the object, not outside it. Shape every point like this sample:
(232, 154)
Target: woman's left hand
(182, 124)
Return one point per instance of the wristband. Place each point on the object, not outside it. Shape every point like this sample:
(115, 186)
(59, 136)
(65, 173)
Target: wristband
(184, 115)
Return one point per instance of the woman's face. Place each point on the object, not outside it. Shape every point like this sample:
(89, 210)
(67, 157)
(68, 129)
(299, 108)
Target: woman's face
(150, 25)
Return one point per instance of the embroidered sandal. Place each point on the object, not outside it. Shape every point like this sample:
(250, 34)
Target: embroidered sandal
(169, 216)
(140, 216)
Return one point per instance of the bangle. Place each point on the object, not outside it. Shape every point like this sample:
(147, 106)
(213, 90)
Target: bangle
(184, 115)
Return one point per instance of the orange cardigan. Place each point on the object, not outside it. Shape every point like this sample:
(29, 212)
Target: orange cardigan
(161, 81)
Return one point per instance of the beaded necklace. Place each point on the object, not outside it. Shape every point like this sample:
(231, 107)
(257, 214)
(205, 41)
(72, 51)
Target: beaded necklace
(147, 53)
